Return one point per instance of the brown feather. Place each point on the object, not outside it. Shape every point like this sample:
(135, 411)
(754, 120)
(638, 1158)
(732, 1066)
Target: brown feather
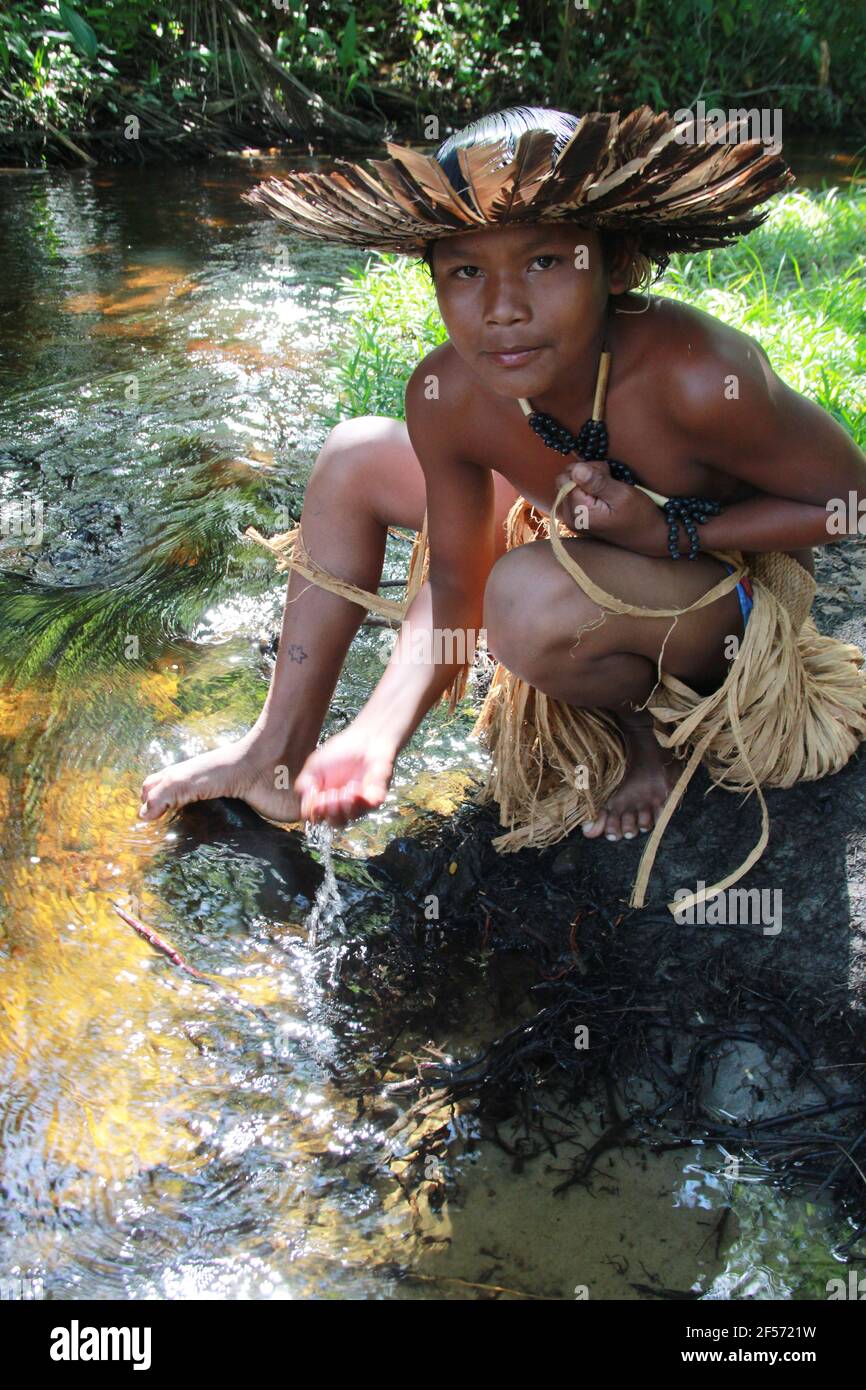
(485, 169)
(497, 182)
(619, 172)
(580, 161)
(397, 190)
(431, 178)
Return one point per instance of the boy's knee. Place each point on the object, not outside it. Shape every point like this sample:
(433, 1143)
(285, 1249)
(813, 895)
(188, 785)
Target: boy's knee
(530, 605)
(512, 609)
(347, 449)
(347, 434)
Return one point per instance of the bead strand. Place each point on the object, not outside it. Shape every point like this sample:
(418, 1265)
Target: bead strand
(591, 444)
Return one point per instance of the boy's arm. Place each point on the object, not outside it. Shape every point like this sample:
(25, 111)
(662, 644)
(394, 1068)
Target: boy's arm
(744, 421)
(460, 514)
(734, 414)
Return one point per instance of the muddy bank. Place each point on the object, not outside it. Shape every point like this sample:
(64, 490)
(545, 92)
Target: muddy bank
(747, 1036)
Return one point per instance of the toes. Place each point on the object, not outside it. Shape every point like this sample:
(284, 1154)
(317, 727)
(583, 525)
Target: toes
(164, 796)
(152, 805)
(616, 825)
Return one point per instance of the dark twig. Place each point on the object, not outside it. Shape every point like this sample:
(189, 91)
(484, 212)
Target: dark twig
(159, 944)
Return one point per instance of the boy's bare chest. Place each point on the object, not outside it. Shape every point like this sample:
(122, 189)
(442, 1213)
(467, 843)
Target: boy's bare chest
(640, 435)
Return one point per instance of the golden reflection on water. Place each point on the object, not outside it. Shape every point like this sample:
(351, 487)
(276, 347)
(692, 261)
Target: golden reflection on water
(118, 1066)
(156, 282)
(73, 990)
(246, 354)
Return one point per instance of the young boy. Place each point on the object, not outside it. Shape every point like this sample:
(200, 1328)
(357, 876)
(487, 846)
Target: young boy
(693, 408)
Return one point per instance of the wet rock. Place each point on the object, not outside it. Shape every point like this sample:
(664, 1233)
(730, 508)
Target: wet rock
(407, 863)
(405, 1064)
(459, 879)
(381, 1108)
(744, 1080)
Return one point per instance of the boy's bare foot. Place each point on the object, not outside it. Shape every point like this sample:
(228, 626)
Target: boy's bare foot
(649, 776)
(249, 769)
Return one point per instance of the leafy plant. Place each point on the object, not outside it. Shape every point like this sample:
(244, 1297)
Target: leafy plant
(455, 59)
(82, 35)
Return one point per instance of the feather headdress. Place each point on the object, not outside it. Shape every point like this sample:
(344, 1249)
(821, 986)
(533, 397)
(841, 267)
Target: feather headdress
(642, 173)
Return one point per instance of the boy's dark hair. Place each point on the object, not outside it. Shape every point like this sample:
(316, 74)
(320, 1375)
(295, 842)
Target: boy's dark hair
(511, 124)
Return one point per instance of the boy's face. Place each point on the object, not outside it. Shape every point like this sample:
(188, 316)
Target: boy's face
(542, 286)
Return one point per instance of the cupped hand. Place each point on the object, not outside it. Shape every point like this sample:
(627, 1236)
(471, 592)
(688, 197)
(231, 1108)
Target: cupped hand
(346, 777)
(602, 506)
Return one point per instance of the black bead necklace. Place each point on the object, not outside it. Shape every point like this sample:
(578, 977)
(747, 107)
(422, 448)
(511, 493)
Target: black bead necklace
(591, 443)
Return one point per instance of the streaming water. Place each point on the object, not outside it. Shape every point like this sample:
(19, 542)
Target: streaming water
(326, 908)
(163, 374)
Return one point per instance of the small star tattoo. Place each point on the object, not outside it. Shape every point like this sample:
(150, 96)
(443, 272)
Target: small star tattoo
(296, 652)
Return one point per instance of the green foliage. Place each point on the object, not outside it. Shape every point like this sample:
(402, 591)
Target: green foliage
(451, 58)
(795, 283)
(82, 35)
(53, 63)
(470, 51)
(394, 322)
(668, 53)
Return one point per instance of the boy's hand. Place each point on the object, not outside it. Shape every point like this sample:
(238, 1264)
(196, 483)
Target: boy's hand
(615, 512)
(346, 777)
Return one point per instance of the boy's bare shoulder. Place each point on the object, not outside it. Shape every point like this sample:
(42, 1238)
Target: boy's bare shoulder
(735, 414)
(704, 361)
(441, 391)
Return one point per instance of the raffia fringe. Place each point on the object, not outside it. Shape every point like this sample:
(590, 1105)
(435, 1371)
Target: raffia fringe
(792, 708)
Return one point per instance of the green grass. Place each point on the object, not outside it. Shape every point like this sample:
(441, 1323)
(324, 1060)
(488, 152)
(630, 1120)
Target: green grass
(797, 284)
(394, 322)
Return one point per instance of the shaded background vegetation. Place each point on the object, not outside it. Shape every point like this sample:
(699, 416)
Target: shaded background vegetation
(205, 75)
